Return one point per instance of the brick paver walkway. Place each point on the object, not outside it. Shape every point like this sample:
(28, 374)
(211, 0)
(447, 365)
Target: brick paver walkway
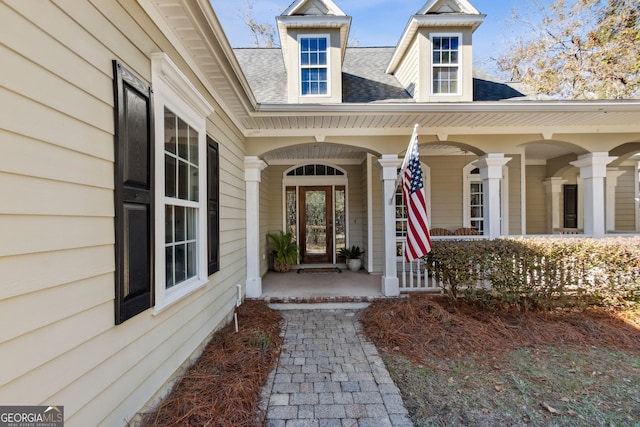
(330, 375)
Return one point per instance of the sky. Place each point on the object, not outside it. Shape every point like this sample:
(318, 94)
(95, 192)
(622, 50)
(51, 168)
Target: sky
(381, 22)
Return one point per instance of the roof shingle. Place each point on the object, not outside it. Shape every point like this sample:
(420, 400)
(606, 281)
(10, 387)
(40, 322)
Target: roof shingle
(363, 77)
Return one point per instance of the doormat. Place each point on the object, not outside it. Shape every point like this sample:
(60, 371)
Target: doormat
(319, 270)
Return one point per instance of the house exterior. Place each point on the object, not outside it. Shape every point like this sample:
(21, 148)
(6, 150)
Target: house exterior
(144, 161)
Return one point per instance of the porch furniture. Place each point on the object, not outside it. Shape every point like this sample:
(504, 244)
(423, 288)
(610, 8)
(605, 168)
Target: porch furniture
(440, 232)
(465, 231)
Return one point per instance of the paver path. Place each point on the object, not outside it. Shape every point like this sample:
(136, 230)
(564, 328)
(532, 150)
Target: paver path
(330, 375)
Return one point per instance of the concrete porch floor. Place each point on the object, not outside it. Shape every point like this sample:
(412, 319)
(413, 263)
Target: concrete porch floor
(321, 286)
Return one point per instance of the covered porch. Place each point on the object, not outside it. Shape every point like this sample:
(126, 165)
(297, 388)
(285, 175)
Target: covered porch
(330, 285)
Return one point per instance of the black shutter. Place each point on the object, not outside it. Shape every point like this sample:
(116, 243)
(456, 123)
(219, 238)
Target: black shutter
(213, 206)
(133, 194)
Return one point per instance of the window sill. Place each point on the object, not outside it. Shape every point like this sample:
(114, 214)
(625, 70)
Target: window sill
(178, 293)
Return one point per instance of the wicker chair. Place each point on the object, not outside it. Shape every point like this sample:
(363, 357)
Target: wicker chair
(440, 232)
(464, 231)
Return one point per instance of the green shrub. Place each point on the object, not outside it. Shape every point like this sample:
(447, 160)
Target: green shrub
(540, 272)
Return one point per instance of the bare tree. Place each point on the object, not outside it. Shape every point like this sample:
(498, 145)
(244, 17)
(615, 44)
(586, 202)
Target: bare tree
(264, 34)
(579, 49)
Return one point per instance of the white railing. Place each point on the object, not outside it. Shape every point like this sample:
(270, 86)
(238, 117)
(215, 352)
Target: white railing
(419, 275)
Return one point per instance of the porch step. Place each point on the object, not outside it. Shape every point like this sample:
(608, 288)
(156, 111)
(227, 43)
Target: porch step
(325, 299)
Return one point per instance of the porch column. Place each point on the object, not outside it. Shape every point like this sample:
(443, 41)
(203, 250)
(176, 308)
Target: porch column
(610, 195)
(553, 188)
(593, 171)
(490, 166)
(389, 164)
(253, 168)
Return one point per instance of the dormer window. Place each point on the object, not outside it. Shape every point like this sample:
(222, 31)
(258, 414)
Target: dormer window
(314, 65)
(445, 65)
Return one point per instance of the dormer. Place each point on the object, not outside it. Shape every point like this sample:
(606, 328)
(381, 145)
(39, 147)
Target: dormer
(433, 59)
(313, 39)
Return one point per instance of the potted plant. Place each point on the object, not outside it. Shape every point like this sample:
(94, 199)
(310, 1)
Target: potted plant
(353, 256)
(284, 250)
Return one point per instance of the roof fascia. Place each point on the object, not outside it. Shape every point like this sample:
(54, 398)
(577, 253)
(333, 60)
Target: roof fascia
(465, 7)
(454, 107)
(296, 5)
(219, 48)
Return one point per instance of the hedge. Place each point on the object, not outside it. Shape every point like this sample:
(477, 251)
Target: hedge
(540, 272)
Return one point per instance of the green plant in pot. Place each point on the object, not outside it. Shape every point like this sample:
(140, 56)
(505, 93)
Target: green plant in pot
(353, 256)
(284, 250)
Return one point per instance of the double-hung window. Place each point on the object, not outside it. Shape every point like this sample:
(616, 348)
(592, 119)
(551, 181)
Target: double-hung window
(181, 199)
(445, 64)
(181, 183)
(314, 65)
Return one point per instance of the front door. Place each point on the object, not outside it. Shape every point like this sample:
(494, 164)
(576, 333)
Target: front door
(570, 206)
(316, 218)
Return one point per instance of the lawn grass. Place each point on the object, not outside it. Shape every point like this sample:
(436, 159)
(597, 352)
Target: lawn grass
(464, 366)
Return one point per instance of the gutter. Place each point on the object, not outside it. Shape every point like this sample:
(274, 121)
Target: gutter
(603, 106)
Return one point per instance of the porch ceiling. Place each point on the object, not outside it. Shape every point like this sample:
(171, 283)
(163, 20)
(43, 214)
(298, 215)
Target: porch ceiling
(345, 155)
(325, 152)
(517, 117)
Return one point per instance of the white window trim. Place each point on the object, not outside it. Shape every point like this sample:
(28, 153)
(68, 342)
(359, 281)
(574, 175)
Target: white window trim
(174, 91)
(467, 178)
(328, 66)
(433, 66)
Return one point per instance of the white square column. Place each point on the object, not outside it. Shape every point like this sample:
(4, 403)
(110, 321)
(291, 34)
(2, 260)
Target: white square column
(490, 166)
(389, 164)
(593, 171)
(253, 168)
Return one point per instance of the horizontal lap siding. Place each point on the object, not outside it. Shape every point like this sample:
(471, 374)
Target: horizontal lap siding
(515, 190)
(626, 201)
(536, 200)
(408, 70)
(57, 333)
(377, 220)
(446, 190)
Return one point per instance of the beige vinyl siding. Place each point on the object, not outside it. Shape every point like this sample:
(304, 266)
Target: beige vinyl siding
(626, 200)
(446, 190)
(356, 202)
(232, 250)
(408, 70)
(364, 190)
(57, 334)
(271, 206)
(515, 190)
(265, 219)
(377, 225)
(536, 200)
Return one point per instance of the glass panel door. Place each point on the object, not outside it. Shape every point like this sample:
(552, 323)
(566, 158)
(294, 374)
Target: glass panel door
(316, 232)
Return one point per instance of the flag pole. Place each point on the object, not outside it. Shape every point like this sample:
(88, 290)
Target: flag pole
(414, 140)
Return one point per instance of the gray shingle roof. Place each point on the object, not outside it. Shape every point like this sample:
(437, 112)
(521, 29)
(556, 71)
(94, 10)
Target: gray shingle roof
(363, 77)
(264, 69)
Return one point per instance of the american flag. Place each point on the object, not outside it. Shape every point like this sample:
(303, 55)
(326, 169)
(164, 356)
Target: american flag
(418, 238)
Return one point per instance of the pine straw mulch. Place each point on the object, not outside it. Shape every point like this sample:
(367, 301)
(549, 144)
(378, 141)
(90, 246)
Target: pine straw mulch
(423, 327)
(223, 387)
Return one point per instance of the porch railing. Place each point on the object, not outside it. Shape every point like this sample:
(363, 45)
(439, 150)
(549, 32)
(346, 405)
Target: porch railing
(419, 275)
